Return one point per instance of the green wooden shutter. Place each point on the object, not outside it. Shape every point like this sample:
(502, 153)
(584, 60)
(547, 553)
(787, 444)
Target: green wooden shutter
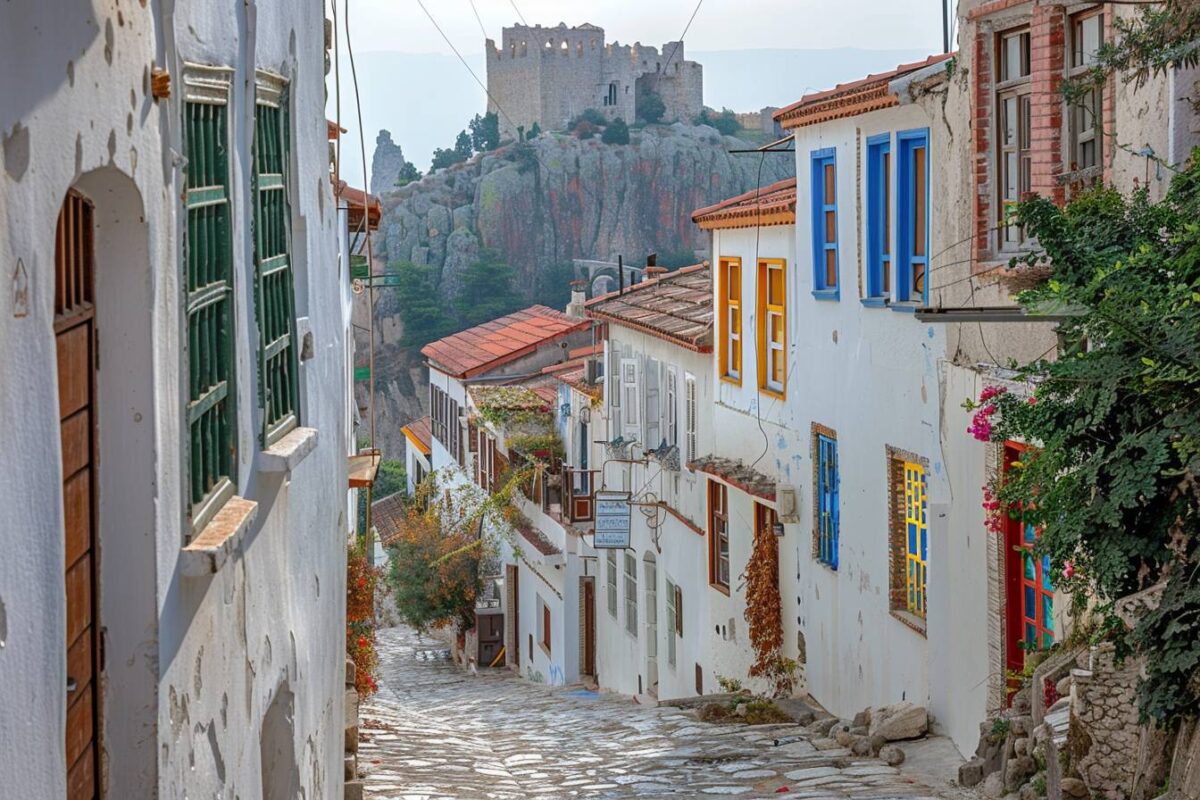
(274, 294)
(208, 281)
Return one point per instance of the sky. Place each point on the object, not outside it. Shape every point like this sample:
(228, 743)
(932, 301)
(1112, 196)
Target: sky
(411, 83)
(718, 25)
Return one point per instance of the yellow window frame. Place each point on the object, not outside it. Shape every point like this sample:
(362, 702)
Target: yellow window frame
(765, 340)
(729, 287)
(916, 534)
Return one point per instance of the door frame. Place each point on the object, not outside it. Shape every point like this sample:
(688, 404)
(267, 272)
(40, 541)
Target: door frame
(588, 662)
(650, 593)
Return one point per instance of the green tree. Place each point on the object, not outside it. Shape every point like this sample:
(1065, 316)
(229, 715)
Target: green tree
(408, 174)
(487, 291)
(652, 108)
(485, 132)
(617, 132)
(462, 146)
(1114, 482)
(535, 131)
(725, 122)
(425, 318)
(443, 158)
(591, 116)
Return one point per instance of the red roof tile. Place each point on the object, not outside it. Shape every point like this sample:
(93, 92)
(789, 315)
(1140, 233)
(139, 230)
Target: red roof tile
(677, 307)
(420, 433)
(476, 350)
(388, 515)
(850, 99)
(770, 205)
(355, 200)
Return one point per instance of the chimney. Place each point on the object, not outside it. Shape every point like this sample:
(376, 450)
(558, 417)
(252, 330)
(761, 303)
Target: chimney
(578, 298)
(652, 269)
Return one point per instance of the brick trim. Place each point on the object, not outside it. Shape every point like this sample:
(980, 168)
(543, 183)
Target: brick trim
(897, 535)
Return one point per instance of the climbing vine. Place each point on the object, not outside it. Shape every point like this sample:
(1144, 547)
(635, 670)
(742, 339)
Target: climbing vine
(1114, 422)
(764, 613)
(361, 580)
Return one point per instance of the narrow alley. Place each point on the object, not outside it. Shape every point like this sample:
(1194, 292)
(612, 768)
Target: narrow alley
(435, 731)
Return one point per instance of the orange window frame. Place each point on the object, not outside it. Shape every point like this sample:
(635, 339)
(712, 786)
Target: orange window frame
(772, 305)
(729, 287)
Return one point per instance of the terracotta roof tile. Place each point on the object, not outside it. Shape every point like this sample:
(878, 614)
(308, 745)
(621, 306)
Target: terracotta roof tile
(770, 205)
(850, 99)
(738, 474)
(677, 306)
(420, 433)
(476, 350)
(387, 515)
(355, 199)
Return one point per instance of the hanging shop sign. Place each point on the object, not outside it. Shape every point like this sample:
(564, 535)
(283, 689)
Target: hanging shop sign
(612, 521)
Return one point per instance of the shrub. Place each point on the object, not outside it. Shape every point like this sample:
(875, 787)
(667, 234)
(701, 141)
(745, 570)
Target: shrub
(617, 132)
(652, 108)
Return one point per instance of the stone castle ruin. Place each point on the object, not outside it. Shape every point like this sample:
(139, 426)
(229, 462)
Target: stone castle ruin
(549, 75)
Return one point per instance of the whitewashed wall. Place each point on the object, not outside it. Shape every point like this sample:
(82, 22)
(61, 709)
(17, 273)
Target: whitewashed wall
(193, 664)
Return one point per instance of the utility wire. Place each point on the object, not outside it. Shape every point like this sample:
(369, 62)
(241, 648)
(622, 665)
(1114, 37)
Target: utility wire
(477, 19)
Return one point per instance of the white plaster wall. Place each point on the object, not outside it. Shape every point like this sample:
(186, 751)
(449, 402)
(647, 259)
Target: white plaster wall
(186, 692)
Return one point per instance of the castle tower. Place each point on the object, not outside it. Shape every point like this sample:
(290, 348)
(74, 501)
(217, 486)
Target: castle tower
(550, 75)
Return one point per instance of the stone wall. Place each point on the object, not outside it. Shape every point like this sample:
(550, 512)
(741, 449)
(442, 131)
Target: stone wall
(1104, 723)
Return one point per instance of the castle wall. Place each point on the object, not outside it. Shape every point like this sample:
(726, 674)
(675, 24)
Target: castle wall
(550, 75)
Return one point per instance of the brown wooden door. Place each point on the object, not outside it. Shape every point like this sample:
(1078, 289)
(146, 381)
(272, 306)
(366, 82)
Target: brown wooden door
(75, 334)
(491, 639)
(589, 627)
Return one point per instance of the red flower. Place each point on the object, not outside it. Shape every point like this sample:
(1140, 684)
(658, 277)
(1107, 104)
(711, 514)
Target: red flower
(362, 641)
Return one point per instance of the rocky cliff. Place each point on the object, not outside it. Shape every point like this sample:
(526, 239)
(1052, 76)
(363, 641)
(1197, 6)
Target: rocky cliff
(540, 206)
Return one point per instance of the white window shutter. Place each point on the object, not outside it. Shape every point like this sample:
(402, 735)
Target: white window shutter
(630, 400)
(653, 405)
(690, 389)
(672, 415)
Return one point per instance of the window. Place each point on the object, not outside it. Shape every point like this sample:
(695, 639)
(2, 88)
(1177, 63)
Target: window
(631, 400)
(612, 372)
(909, 535)
(912, 209)
(825, 464)
(543, 625)
(824, 224)
(689, 384)
(879, 216)
(1037, 594)
(631, 613)
(730, 287)
(611, 583)
(672, 407)
(1087, 35)
(718, 535)
(208, 259)
(485, 461)
(274, 305)
(444, 422)
(772, 327)
(674, 620)
(1013, 117)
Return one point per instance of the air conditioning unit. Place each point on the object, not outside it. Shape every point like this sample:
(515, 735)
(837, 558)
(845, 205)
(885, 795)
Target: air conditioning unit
(787, 504)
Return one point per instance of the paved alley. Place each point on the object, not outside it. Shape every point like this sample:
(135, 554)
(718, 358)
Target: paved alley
(434, 731)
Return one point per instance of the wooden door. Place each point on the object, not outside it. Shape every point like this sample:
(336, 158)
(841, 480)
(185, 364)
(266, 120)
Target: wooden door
(651, 575)
(75, 334)
(589, 627)
(491, 639)
(513, 613)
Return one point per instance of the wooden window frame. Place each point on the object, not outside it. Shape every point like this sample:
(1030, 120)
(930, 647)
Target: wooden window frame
(545, 640)
(826, 503)
(732, 365)
(769, 384)
(672, 619)
(912, 216)
(718, 535)
(908, 537)
(1079, 132)
(211, 414)
(1012, 238)
(631, 597)
(826, 285)
(275, 293)
(880, 265)
(611, 584)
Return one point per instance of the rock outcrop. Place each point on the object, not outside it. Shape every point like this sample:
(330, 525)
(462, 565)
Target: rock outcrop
(538, 206)
(386, 163)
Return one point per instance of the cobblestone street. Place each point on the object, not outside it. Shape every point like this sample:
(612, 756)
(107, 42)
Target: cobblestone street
(435, 731)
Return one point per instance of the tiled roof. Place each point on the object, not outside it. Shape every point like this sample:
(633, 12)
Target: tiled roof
(420, 433)
(850, 99)
(735, 473)
(355, 198)
(537, 539)
(478, 349)
(677, 306)
(770, 205)
(508, 398)
(387, 515)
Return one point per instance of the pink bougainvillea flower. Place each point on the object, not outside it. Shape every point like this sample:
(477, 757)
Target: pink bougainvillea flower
(1068, 569)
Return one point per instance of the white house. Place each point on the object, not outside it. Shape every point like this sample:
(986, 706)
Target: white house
(173, 511)
(658, 631)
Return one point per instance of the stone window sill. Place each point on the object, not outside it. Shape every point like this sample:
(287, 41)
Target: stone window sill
(212, 546)
(910, 620)
(286, 454)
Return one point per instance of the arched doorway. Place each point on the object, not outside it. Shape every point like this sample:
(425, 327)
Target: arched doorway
(75, 342)
(103, 305)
